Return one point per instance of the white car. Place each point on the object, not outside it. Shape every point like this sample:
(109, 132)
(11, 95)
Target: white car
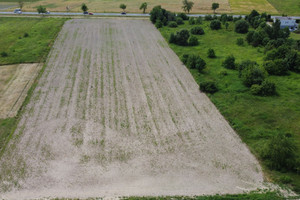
(18, 11)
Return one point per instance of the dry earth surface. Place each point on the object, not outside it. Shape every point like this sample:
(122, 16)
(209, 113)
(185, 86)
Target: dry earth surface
(15, 81)
(116, 113)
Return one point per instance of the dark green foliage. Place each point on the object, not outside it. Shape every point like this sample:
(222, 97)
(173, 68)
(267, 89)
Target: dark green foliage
(292, 60)
(249, 36)
(253, 74)
(243, 65)
(179, 21)
(208, 18)
(123, 7)
(285, 179)
(4, 54)
(180, 37)
(215, 24)
(84, 8)
(41, 9)
(255, 89)
(214, 6)
(276, 67)
(229, 62)
(158, 24)
(184, 58)
(223, 18)
(183, 16)
(229, 18)
(158, 13)
(199, 20)
(226, 25)
(197, 30)
(279, 53)
(144, 7)
(187, 5)
(192, 21)
(26, 34)
(193, 41)
(240, 41)
(208, 87)
(281, 152)
(196, 62)
(268, 88)
(172, 24)
(241, 26)
(211, 53)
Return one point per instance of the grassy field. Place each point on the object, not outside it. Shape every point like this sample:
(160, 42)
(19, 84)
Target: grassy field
(288, 7)
(33, 48)
(254, 118)
(244, 7)
(27, 40)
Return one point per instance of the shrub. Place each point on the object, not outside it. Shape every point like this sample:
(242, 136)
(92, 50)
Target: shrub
(241, 26)
(179, 21)
(292, 60)
(199, 20)
(183, 16)
(253, 74)
(208, 87)
(4, 54)
(276, 67)
(180, 38)
(215, 24)
(229, 62)
(172, 24)
(255, 89)
(208, 17)
(211, 53)
(26, 34)
(197, 30)
(229, 18)
(240, 41)
(223, 73)
(249, 36)
(158, 24)
(192, 21)
(223, 18)
(281, 152)
(158, 13)
(246, 63)
(196, 62)
(193, 41)
(268, 88)
(184, 58)
(285, 179)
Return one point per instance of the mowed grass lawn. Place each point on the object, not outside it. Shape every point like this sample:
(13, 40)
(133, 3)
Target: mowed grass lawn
(288, 7)
(254, 118)
(34, 48)
(246, 6)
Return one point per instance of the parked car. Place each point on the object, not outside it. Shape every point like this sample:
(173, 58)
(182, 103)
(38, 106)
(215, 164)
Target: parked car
(48, 12)
(91, 13)
(123, 13)
(86, 13)
(18, 10)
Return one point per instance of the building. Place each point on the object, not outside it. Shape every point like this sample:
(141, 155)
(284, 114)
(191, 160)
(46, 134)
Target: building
(288, 22)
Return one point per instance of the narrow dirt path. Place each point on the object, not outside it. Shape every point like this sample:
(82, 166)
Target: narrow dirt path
(116, 113)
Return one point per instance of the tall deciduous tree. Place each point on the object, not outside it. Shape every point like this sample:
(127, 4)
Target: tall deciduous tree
(123, 6)
(215, 6)
(143, 7)
(84, 8)
(41, 9)
(187, 5)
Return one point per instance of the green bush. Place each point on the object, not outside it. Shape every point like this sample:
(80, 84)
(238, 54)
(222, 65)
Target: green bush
(281, 153)
(26, 34)
(244, 64)
(158, 24)
(179, 21)
(240, 41)
(241, 26)
(229, 62)
(276, 67)
(223, 73)
(196, 62)
(268, 88)
(255, 89)
(180, 37)
(211, 53)
(253, 75)
(215, 24)
(199, 20)
(192, 21)
(184, 58)
(197, 30)
(193, 41)
(4, 54)
(208, 87)
(285, 179)
(208, 18)
(183, 16)
(172, 24)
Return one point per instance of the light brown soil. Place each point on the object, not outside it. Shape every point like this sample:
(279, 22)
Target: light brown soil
(15, 81)
(116, 113)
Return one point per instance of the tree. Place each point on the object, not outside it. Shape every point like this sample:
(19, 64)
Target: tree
(143, 7)
(197, 30)
(180, 38)
(196, 62)
(208, 87)
(229, 62)
(123, 6)
(253, 74)
(211, 53)
(241, 26)
(84, 8)
(215, 24)
(193, 41)
(215, 6)
(21, 4)
(41, 9)
(187, 5)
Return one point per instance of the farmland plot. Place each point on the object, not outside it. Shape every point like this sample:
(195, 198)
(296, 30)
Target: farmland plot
(116, 113)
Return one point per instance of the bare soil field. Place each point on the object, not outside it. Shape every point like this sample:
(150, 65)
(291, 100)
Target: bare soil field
(200, 6)
(15, 81)
(116, 113)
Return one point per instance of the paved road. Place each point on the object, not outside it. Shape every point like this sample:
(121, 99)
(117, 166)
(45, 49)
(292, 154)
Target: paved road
(117, 14)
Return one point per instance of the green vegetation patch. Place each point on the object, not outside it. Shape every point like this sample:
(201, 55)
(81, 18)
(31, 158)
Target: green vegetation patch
(256, 119)
(287, 7)
(27, 40)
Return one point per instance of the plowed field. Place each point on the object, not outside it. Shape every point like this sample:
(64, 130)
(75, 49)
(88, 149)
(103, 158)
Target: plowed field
(116, 113)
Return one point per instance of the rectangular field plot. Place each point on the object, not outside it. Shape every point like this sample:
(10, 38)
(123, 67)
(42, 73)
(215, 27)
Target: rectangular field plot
(245, 7)
(116, 113)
